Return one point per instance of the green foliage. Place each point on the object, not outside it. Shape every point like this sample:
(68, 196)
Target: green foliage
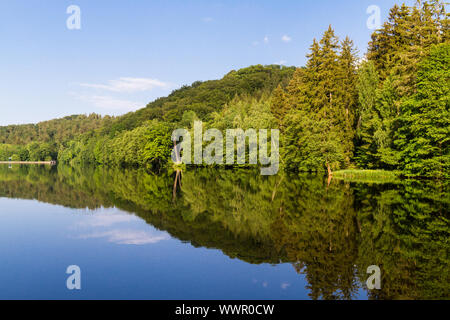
(131, 140)
(309, 144)
(43, 141)
(157, 145)
(388, 112)
(424, 126)
(368, 176)
(405, 39)
(279, 106)
(32, 152)
(319, 126)
(375, 140)
(54, 131)
(148, 146)
(368, 120)
(7, 151)
(207, 97)
(406, 126)
(245, 112)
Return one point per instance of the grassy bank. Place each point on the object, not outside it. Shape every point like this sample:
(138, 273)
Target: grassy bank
(373, 176)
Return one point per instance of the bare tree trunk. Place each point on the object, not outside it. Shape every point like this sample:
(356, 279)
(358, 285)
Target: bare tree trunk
(177, 181)
(177, 154)
(359, 225)
(330, 173)
(276, 187)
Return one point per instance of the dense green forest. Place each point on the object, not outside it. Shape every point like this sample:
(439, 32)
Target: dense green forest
(328, 233)
(140, 138)
(41, 141)
(388, 110)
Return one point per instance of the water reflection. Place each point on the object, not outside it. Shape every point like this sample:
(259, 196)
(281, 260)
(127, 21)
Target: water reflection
(329, 232)
(116, 227)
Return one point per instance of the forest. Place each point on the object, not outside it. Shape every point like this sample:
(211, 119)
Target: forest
(387, 110)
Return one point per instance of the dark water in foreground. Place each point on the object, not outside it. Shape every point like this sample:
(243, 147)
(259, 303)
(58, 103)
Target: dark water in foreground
(219, 235)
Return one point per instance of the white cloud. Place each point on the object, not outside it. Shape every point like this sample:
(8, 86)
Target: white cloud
(255, 43)
(281, 62)
(106, 219)
(208, 19)
(266, 39)
(112, 103)
(131, 237)
(117, 227)
(129, 85)
(286, 38)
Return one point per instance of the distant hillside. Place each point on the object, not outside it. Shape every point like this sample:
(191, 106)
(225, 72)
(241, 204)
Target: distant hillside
(52, 131)
(97, 139)
(206, 97)
(200, 97)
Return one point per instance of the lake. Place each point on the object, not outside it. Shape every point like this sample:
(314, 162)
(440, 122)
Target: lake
(219, 234)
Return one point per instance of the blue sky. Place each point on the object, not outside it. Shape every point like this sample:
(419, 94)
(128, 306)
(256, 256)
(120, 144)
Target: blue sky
(127, 53)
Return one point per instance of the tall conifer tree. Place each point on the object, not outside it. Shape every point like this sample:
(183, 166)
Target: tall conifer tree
(424, 127)
(320, 127)
(279, 106)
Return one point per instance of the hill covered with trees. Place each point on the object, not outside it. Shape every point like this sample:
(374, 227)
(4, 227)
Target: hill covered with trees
(41, 141)
(74, 138)
(206, 97)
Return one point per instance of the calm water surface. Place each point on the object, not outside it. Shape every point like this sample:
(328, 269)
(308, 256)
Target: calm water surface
(218, 234)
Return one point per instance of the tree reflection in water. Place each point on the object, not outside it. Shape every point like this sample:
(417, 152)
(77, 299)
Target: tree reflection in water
(329, 231)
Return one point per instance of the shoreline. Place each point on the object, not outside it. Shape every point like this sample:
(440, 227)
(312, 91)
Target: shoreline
(28, 162)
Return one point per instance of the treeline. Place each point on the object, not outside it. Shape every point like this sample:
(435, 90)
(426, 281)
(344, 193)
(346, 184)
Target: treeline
(389, 110)
(147, 146)
(143, 138)
(206, 97)
(52, 131)
(34, 151)
(41, 141)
